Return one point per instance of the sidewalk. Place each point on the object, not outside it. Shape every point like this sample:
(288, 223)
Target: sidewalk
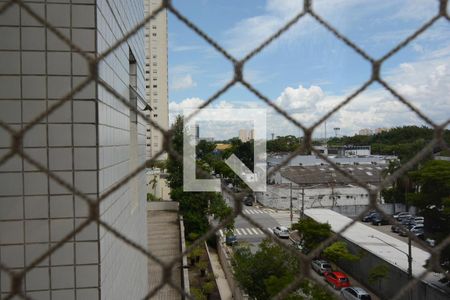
(164, 243)
(221, 280)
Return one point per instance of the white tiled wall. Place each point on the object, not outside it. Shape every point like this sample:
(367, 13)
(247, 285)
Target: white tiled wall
(86, 142)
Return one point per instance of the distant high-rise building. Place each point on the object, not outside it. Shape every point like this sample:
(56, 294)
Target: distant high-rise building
(365, 131)
(380, 130)
(246, 135)
(243, 135)
(156, 76)
(91, 142)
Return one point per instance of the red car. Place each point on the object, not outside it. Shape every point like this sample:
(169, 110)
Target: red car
(337, 279)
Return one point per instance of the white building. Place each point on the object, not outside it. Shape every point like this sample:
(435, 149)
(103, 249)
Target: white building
(313, 160)
(319, 186)
(91, 142)
(365, 131)
(156, 77)
(246, 135)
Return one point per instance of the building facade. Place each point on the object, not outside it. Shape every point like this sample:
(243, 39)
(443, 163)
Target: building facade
(246, 135)
(156, 80)
(319, 186)
(91, 142)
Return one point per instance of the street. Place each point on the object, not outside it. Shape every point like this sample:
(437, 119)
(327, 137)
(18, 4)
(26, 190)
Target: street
(269, 218)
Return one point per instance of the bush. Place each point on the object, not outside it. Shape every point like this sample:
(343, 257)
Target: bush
(197, 294)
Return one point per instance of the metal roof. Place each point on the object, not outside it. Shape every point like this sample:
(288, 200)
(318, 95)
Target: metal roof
(307, 175)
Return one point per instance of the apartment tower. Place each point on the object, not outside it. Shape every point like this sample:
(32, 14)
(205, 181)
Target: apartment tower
(156, 77)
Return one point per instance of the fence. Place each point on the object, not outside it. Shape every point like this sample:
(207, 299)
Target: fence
(94, 201)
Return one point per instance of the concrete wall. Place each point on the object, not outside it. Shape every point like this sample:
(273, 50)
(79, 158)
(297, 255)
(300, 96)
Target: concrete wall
(278, 196)
(355, 210)
(225, 261)
(389, 286)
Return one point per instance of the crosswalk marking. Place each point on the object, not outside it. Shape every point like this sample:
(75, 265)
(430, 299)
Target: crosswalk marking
(246, 231)
(254, 230)
(259, 211)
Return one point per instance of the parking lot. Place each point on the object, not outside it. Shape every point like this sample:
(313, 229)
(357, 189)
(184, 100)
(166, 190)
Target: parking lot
(387, 230)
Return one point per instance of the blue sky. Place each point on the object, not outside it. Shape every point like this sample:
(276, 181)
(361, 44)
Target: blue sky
(307, 71)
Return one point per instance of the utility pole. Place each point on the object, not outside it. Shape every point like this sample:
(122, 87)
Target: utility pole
(408, 255)
(290, 196)
(303, 204)
(409, 258)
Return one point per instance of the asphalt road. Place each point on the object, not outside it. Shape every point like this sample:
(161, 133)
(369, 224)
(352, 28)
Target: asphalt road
(244, 230)
(269, 218)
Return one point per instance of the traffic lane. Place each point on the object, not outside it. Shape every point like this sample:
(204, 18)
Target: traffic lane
(246, 231)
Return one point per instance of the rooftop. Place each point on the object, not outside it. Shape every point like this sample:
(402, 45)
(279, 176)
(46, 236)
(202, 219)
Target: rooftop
(307, 175)
(389, 248)
(313, 160)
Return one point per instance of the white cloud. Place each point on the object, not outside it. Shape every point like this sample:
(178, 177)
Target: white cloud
(188, 103)
(426, 84)
(183, 82)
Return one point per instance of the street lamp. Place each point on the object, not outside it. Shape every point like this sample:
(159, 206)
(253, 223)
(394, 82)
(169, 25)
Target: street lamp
(408, 255)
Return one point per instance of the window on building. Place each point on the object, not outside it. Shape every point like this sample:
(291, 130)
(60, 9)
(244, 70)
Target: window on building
(153, 26)
(155, 115)
(154, 33)
(155, 64)
(155, 86)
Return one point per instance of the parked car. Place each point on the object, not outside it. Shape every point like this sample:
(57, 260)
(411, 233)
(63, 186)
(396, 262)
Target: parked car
(399, 214)
(407, 222)
(337, 279)
(403, 231)
(369, 217)
(395, 228)
(419, 220)
(321, 266)
(420, 234)
(248, 201)
(379, 220)
(231, 240)
(402, 217)
(281, 232)
(353, 293)
(416, 227)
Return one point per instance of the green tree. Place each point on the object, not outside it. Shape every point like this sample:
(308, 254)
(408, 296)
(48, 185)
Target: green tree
(432, 198)
(194, 206)
(203, 148)
(378, 273)
(311, 232)
(265, 273)
(339, 251)
(398, 192)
